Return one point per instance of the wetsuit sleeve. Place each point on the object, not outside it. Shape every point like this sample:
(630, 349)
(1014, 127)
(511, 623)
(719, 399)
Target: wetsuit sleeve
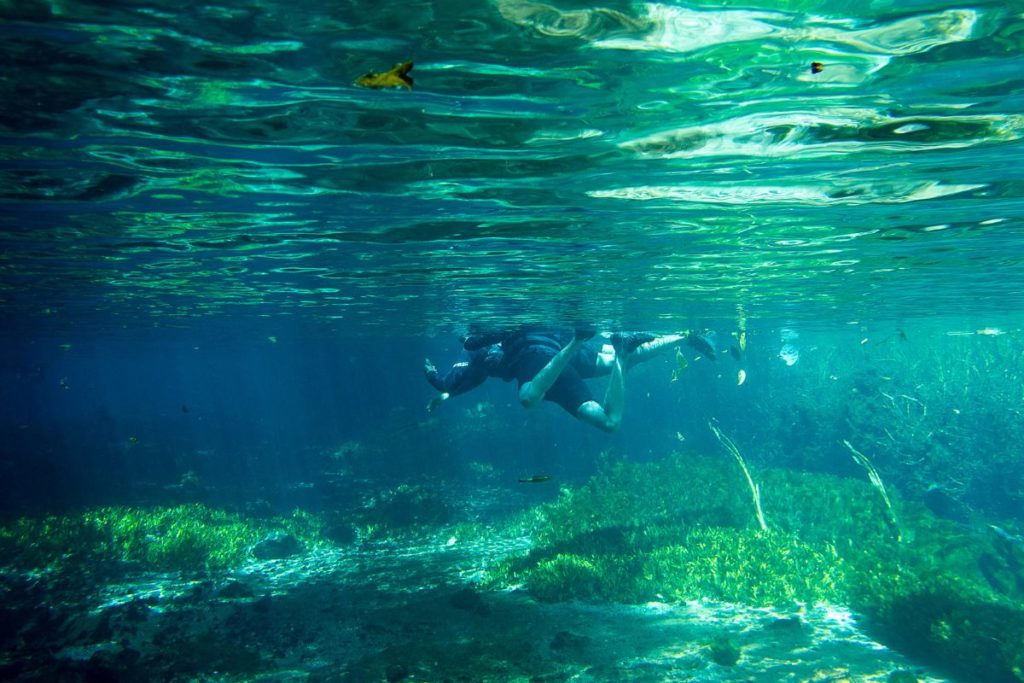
(475, 342)
(462, 377)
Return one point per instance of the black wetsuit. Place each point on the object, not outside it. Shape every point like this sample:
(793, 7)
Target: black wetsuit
(520, 356)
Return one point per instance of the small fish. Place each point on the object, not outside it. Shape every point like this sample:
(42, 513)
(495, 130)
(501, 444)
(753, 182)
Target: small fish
(64, 383)
(1007, 536)
(272, 339)
(397, 77)
(184, 409)
(535, 479)
(65, 347)
(132, 440)
(817, 67)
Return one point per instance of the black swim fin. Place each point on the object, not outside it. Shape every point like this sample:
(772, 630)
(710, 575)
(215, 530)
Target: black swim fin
(701, 343)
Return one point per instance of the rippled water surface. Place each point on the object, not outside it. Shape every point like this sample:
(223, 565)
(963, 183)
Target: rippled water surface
(623, 162)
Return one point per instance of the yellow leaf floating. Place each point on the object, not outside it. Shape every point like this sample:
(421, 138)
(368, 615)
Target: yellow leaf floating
(397, 77)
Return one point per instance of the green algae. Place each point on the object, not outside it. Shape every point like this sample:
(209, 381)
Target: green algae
(402, 509)
(682, 530)
(183, 537)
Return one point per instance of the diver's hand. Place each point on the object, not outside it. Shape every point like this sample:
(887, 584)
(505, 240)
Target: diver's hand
(435, 403)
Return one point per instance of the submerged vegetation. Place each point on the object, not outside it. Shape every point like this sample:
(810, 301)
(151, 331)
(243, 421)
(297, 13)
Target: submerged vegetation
(940, 418)
(183, 537)
(683, 529)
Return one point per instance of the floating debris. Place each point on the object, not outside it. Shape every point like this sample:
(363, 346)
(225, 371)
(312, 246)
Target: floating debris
(817, 67)
(789, 354)
(741, 377)
(396, 77)
(741, 336)
(681, 365)
(535, 479)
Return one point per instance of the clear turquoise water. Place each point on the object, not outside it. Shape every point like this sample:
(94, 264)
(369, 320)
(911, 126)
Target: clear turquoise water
(631, 164)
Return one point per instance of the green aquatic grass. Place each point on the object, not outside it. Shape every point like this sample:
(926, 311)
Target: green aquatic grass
(406, 508)
(683, 529)
(183, 537)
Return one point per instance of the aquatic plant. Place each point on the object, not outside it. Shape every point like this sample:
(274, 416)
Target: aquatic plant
(403, 507)
(677, 530)
(876, 481)
(184, 537)
(755, 491)
(917, 405)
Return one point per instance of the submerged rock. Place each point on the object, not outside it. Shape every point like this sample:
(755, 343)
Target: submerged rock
(793, 625)
(277, 545)
(396, 672)
(724, 651)
(341, 534)
(902, 677)
(106, 664)
(569, 642)
(469, 600)
(262, 606)
(235, 589)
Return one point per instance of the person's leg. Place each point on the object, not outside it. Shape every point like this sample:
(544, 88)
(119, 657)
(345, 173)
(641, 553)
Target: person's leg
(649, 349)
(607, 416)
(531, 392)
(640, 347)
(593, 414)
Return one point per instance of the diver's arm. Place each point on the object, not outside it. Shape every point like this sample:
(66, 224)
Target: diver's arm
(475, 342)
(462, 377)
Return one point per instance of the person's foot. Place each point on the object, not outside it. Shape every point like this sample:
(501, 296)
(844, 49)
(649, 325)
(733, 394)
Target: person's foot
(625, 343)
(702, 343)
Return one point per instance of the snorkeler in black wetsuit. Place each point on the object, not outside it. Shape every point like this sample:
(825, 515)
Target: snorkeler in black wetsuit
(552, 365)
